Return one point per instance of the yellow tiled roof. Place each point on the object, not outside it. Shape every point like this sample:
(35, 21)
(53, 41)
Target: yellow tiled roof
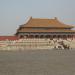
(44, 25)
(45, 30)
(37, 22)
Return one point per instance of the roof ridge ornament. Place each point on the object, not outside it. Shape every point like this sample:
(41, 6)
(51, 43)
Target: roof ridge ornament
(55, 18)
(28, 19)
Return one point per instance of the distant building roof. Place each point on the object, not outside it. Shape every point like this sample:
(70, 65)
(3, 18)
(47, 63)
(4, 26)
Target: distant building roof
(38, 22)
(8, 38)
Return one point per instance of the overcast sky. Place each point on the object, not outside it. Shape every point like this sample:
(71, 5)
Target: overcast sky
(14, 12)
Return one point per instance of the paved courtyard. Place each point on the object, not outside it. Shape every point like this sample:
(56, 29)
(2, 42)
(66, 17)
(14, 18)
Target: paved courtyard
(37, 62)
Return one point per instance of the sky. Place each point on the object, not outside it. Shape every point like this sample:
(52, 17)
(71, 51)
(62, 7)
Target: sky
(15, 12)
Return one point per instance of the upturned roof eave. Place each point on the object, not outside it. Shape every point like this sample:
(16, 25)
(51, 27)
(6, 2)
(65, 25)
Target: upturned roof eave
(25, 26)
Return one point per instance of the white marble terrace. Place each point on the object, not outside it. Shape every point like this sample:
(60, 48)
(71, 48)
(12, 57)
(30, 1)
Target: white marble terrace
(37, 43)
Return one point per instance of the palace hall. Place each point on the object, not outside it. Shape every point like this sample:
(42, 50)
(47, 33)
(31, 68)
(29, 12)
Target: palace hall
(45, 28)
